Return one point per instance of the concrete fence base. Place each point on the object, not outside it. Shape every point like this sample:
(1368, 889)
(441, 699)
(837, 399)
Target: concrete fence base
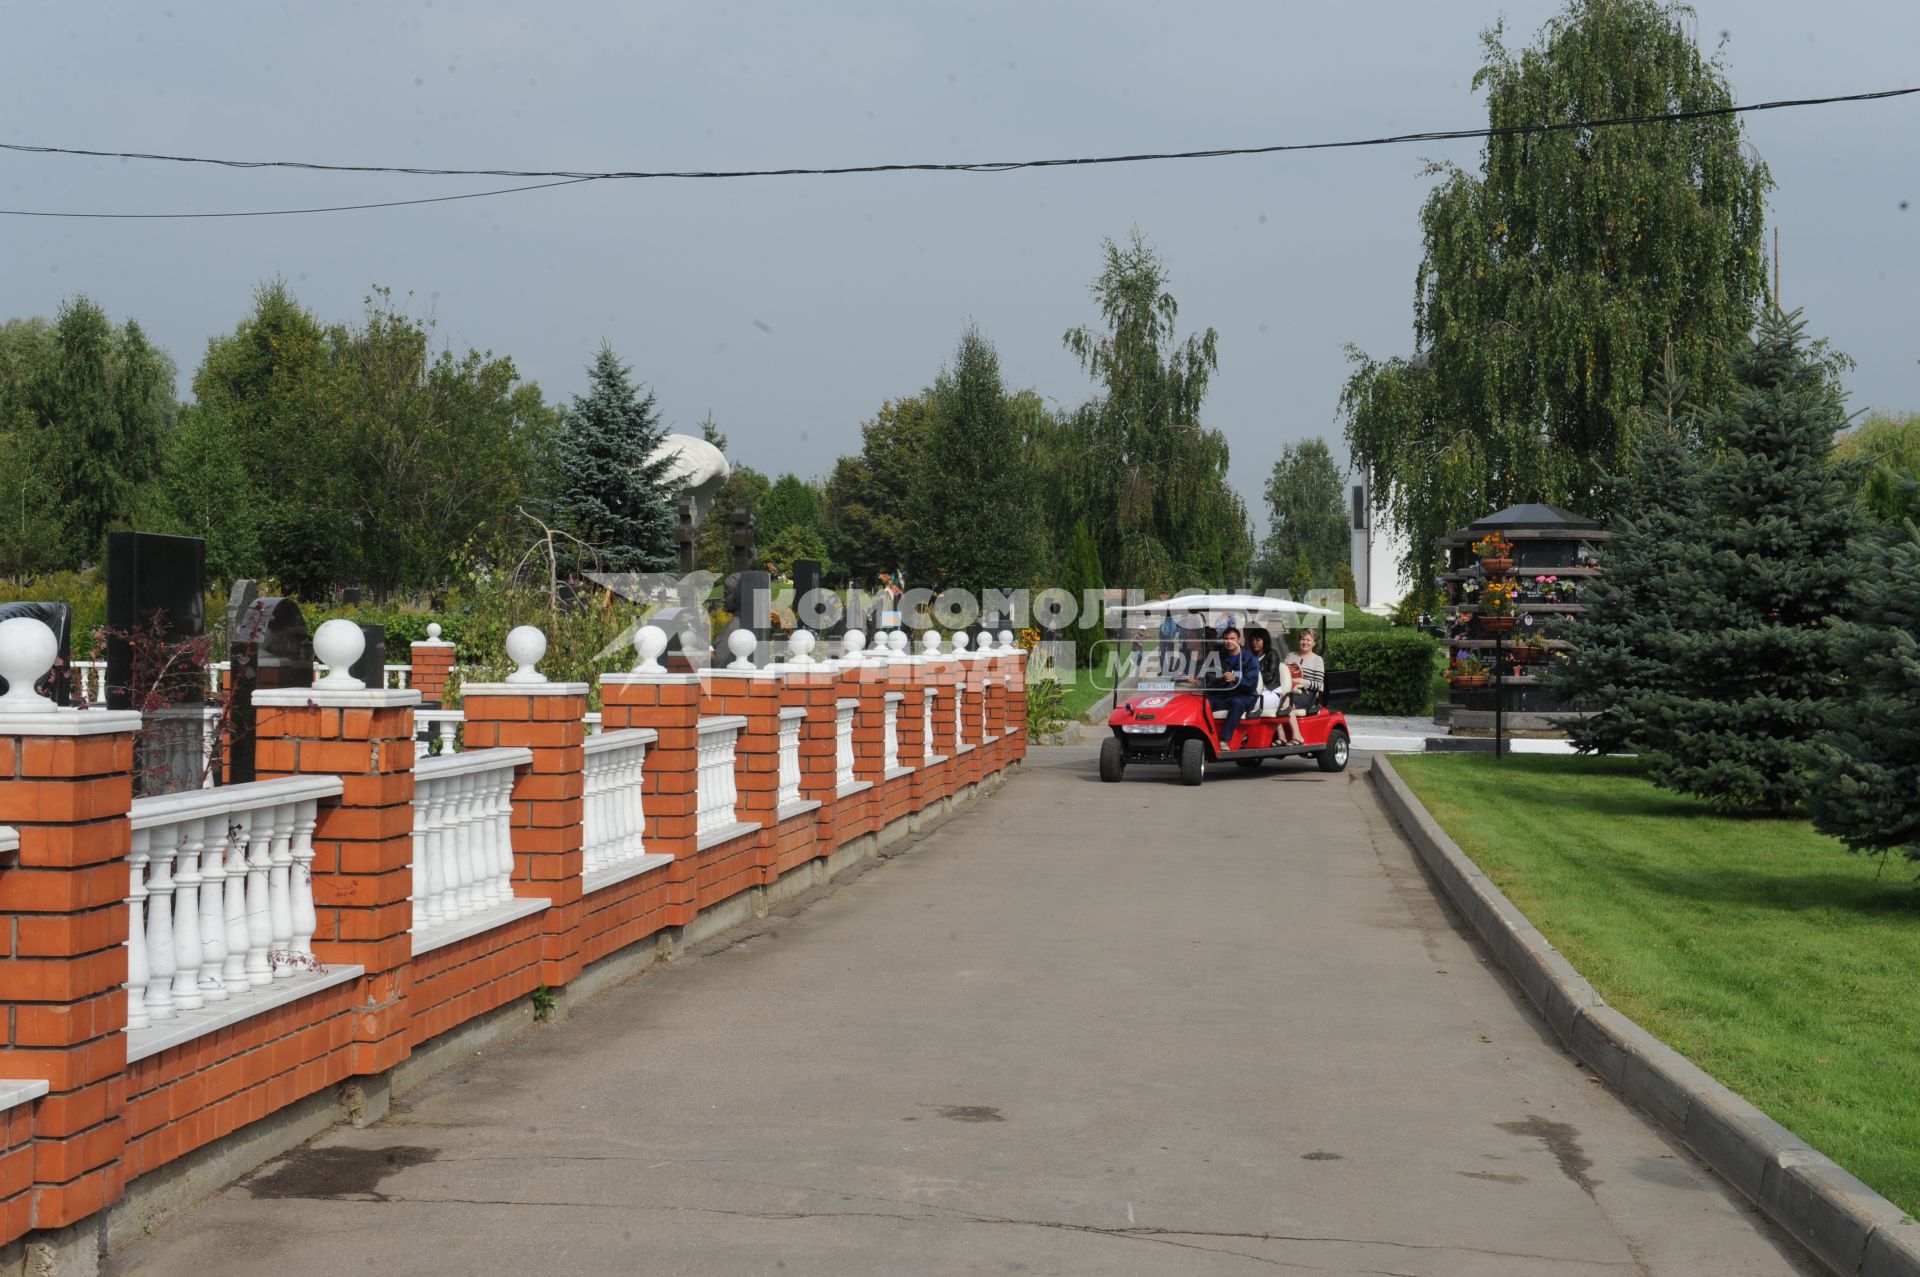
(1847, 1226)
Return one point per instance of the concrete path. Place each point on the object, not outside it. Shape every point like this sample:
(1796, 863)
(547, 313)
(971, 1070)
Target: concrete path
(1091, 1029)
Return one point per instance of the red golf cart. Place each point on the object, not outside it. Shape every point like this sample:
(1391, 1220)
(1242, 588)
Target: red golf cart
(1170, 722)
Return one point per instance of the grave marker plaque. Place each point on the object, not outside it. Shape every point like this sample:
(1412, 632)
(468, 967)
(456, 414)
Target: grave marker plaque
(151, 575)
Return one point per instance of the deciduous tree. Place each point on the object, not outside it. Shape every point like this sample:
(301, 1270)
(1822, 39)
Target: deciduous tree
(1306, 514)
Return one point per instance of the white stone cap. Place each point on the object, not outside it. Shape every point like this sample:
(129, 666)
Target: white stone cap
(511, 688)
(896, 696)
(790, 712)
(336, 698)
(721, 723)
(69, 722)
(728, 671)
(638, 678)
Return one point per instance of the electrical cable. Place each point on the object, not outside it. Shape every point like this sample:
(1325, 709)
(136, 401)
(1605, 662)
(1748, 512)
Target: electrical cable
(570, 177)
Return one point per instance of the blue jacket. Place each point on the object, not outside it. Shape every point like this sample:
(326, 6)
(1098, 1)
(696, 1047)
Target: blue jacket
(1241, 673)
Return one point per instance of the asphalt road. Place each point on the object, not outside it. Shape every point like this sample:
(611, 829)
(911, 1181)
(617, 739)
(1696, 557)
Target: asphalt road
(1081, 1029)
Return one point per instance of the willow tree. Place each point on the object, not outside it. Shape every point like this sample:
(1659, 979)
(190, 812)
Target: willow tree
(1553, 279)
(1150, 480)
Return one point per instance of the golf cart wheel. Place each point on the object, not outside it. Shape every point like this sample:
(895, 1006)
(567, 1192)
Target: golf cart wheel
(1334, 757)
(1251, 764)
(1193, 761)
(1113, 759)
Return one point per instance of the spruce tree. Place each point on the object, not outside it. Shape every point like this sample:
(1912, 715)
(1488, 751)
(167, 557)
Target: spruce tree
(1621, 643)
(615, 494)
(1752, 675)
(1869, 797)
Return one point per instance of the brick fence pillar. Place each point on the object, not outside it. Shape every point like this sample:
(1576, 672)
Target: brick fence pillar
(549, 719)
(363, 848)
(66, 786)
(670, 705)
(816, 689)
(432, 666)
(755, 695)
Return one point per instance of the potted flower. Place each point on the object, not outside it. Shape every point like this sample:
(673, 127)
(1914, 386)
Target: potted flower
(1467, 672)
(1495, 553)
(1528, 647)
(1496, 606)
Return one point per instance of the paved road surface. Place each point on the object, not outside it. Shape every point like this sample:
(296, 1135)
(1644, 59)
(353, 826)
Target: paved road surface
(1081, 1029)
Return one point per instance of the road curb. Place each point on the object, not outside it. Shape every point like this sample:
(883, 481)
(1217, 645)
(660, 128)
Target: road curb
(1848, 1227)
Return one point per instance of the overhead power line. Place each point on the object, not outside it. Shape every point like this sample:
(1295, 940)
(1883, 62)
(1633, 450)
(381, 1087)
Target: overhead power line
(568, 177)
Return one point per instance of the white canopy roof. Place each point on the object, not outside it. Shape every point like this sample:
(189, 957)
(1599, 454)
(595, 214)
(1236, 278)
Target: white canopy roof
(1247, 606)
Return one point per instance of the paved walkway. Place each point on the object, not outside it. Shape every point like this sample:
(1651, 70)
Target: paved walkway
(1082, 1029)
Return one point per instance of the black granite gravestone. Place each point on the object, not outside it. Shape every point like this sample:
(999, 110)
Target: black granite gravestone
(807, 603)
(156, 578)
(58, 617)
(371, 668)
(742, 539)
(269, 647)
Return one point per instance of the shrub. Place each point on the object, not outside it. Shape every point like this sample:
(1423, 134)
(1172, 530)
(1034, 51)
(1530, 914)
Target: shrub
(1396, 668)
(1046, 709)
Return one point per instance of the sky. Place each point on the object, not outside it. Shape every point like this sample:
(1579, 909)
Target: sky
(791, 308)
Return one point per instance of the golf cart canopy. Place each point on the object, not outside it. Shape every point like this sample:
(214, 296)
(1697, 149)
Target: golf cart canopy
(1244, 608)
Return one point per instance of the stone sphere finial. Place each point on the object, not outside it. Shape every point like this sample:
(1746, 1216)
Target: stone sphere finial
(339, 643)
(852, 644)
(28, 649)
(986, 643)
(800, 647)
(898, 642)
(930, 643)
(959, 642)
(742, 644)
(525, 646)
(650, 641)
(1006, 640)
(433, 631)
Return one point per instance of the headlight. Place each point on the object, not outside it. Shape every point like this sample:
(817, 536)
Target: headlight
(1141, 729)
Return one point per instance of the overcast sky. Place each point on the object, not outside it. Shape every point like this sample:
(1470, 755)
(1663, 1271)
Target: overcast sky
(792, 307)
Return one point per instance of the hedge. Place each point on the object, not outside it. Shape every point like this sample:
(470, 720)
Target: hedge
(1397, 668)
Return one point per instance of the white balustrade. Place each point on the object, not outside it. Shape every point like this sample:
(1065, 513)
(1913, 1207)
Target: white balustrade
(463, 834)
(843, 772)
(926, 737)
(791, 719)
(890, 760)
(90, 681)
(715, 786)
(614, 820)
(221, 899)
(442, 725)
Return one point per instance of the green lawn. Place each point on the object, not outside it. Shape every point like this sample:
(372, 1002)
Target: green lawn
(1762, 951)
(1087, 687)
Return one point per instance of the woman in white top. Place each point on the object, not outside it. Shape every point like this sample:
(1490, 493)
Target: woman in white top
(1313, 670)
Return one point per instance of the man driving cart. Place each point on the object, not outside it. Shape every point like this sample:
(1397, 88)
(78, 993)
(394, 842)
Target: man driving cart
(1235, 685)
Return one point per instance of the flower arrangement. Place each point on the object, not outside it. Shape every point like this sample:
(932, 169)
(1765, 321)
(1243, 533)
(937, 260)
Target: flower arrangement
(1467, 671)
(1493, 546)
(1552, 589)
(1498, 597)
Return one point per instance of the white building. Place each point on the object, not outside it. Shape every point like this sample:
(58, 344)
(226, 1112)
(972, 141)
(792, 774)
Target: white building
(1376, 552)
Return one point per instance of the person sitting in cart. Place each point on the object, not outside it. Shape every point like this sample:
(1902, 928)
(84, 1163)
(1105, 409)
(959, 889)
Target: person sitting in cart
(1235, 687)
(1313, 673)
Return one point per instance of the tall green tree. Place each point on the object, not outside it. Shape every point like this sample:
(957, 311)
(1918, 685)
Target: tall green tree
(1083, 579)
(790, 502)
(615, 492)
(203, 491)
(1306, 514)
(101, 400)
(1752, 676)
(1150, 478)
(973, 518)
(1887, 447)
(868, 495)
(1869, 794)
(1554, 277)
(744, 489)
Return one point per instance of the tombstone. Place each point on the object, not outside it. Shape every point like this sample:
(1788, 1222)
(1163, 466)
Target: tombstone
(148, 573)
(752, 608)
(58, 617)
(806, 591)
(269, 647)
(742, 539)
(371, 668)
(684, 535)
(349, 596)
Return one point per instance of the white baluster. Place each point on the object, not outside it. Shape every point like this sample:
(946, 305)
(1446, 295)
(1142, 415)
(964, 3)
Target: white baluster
(162, 850)
(187, 952)
(280, 870)
(301, 879)
(496, 836)
(213, 917)
(437, 913)
(926, 735)
(137, 929)
(593, 821)
(503, 829)
(233, 972)
(448, 729)
(460, 823)
(260, 897)
(421, 871)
